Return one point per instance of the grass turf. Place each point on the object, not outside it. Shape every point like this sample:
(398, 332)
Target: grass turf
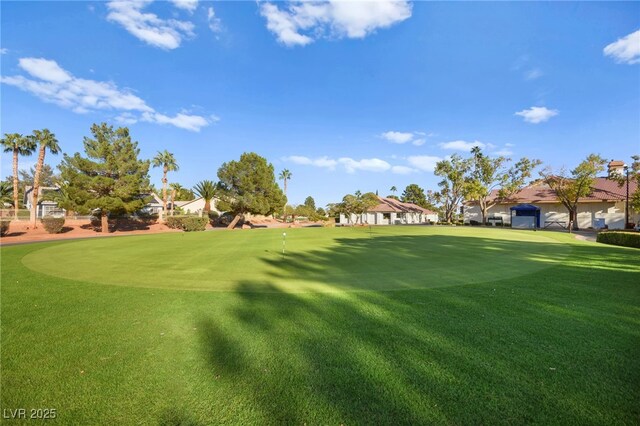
(503, 327)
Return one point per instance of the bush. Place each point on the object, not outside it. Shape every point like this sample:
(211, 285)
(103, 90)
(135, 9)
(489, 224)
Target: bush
(187, 223)
(626, 239)
(53, 225)
(174, 222)
(474, 223)
(4, 227)
(194, 223)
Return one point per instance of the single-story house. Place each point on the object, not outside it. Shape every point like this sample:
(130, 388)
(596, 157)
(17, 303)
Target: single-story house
(196, 205)
(390, 211)
(604, 206)
(45, 207)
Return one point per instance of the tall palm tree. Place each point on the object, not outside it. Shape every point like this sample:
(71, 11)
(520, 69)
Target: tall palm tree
(285, 176)
(168, 162)
(175, 189)
(393, 190)
(46, 140)
(18, 145)
(207, 190)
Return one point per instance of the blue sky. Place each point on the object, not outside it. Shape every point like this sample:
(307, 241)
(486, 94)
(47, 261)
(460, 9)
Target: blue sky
(347, 95)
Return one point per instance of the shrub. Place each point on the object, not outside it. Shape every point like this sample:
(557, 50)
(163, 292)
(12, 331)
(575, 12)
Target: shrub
(474, 223)
(187, 223)
(4, 227)
(174, 222)
(194, 223)
(53, 225)
(626, 239)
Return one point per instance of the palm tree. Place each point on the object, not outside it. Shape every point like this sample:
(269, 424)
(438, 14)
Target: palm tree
(393, 190)
(285, 176)
(46, 140)
(6, 193)
(19, 145)
(176, 188)
(168, 162)
(207, 190)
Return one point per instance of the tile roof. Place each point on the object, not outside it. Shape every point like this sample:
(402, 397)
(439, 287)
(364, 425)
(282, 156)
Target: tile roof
(604, 189)
(391, 205)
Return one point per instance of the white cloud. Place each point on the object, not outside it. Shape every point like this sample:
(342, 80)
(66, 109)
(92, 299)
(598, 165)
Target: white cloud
(324, 162)
(4, 51)
(188, 5)
(537, 115)
(425, 163)
(215, 24)
(402, 170)
(397, 137)
(404, 137)
(504, 152)
(461, 145)
(626, 49)
(509, 145)
(51, 83)
(366, 164)
(148, 27)
(126, 118)
(533, 74)
(44, 69)
(301, 23)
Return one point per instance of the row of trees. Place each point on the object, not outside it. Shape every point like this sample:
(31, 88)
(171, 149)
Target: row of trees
(111, 179)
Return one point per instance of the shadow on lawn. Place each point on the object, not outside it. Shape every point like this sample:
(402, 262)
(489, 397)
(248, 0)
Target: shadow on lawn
(557, 346)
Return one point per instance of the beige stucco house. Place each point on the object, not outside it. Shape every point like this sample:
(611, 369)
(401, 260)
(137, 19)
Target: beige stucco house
(392, 212)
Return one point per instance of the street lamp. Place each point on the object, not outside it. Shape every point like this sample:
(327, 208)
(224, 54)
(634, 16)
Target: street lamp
(626, 206)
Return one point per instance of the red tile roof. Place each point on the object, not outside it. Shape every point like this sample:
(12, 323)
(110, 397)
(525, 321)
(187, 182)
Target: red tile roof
(604, 189)
(390, 205)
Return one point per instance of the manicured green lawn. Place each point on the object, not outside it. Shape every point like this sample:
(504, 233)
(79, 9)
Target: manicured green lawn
(403, 325)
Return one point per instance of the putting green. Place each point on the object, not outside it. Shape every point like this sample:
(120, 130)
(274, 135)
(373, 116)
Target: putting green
(316, 259)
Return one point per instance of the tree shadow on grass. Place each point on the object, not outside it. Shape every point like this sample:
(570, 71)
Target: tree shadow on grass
(552, 347)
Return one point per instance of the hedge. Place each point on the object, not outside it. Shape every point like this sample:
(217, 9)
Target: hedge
(626, 239)
(187, 223)
(4, 227)
(53, 225)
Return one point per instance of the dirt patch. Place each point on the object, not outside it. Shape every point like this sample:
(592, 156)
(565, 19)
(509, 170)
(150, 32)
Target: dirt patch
(22, 232)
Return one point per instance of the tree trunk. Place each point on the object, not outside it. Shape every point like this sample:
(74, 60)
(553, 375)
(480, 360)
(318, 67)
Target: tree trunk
(36, 188)
(235, 221)
(164, 195)
(207, 207)
(105, 222)
(573, 220)
(15, 183)
(484, 215)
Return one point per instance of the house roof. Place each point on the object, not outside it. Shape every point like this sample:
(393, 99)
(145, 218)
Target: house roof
(616, 163)
(604, 189)
(391, 205)
(184, 203)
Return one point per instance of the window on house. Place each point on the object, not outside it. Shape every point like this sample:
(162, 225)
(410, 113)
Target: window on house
(386, 216)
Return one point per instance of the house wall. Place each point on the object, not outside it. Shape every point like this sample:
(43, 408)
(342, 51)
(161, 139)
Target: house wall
(612, 213)
(196, 206)
(394, 218)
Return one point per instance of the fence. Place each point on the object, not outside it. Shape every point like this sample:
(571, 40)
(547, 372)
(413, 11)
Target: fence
(24, 215)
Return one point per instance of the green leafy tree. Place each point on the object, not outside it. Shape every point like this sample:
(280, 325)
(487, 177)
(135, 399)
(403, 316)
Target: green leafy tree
(571, 187)
(634, 175)
(414, 194)
(491, 173)
(206, 189)
(110, 178)
(310, 203)
(454, 184)
(48, 177)
(17, 145)
(357, 204)
(168, 162)
(249, 186)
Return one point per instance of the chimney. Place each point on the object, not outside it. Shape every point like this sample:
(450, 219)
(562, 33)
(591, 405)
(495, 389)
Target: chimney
(615, 167)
